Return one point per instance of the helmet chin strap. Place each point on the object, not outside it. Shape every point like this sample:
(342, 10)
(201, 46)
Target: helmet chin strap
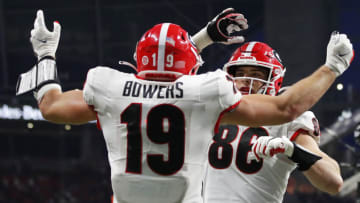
(268, 89)
(128, 64)
(263, 88)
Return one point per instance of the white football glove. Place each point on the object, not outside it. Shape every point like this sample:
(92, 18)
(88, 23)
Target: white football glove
(267, 146)
(339, 54)
(43, 41)
(220, 29)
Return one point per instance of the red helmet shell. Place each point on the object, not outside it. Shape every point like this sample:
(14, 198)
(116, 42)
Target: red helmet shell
(261, 55)
(166, 52)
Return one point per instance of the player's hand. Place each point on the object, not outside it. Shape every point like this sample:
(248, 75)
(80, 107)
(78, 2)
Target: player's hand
(224, 24)
(267, 146)
(43, 41)
(340, 53)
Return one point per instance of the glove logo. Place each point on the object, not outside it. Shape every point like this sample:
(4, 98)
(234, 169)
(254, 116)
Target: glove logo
(41, 40)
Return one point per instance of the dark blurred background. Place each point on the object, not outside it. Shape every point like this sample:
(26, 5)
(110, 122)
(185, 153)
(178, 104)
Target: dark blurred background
(43, 162)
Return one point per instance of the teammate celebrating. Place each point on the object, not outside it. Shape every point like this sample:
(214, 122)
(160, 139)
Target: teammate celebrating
(157, 124)
(240, 169)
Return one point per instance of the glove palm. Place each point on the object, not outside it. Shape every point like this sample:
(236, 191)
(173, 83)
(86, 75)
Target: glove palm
(44, 42)
(339, 54)
(224, 24)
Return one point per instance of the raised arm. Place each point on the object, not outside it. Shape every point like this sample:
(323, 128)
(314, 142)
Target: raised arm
(257, 110)
(55, 106)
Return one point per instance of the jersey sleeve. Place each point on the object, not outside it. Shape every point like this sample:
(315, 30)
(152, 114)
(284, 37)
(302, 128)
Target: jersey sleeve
(307, 123)
(88, 90)
(94, 91)
(229, 96)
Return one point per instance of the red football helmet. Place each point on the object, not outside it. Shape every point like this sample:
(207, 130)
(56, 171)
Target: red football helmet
(260, 55)
(166, 52)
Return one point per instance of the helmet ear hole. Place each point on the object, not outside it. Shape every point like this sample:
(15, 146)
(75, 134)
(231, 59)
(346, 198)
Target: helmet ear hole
(182, 36)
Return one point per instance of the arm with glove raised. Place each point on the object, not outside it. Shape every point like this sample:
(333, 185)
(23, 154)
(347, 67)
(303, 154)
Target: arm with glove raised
(43, 76)
(42, 79)
(258, 110)
(221, 28)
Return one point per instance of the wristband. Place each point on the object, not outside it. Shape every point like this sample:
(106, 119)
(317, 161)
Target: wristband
(304, 158)
(39, 78)
(202, 39)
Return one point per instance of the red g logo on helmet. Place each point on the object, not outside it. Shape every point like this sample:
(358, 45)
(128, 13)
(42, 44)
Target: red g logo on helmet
(166, 52)
(260, 55)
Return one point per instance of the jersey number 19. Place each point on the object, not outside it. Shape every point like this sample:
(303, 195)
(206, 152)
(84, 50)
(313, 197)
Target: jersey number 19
(173, 135)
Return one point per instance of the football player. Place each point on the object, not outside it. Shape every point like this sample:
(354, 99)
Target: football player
(157, 123)
(240, 168)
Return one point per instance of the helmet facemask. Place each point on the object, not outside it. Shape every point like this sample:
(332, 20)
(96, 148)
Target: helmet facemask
(250, 80)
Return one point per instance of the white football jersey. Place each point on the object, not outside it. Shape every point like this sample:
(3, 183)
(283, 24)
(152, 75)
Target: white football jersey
(157, 133)
(233, 175)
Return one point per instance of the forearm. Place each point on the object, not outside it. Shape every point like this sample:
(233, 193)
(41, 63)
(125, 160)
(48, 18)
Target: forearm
(325, 175)
(257, 110)
(202, 39)
(68, 107)
(304, 94)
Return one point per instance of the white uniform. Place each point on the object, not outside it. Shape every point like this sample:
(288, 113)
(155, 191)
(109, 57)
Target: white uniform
(157, 133)
(233, 175)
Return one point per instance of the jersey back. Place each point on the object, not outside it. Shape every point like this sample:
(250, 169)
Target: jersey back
(233, 174)
(157, 133)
